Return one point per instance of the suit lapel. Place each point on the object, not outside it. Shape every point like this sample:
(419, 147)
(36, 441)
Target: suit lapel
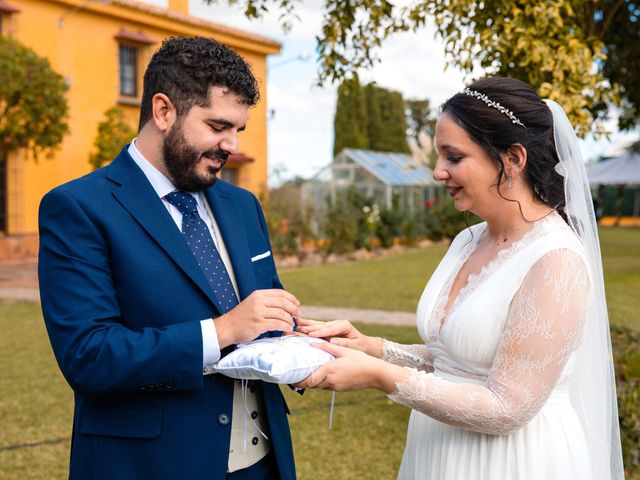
(234, 236)
(139, 198)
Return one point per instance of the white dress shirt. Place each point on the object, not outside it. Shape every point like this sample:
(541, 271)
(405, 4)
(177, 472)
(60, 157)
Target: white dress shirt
(244, 450)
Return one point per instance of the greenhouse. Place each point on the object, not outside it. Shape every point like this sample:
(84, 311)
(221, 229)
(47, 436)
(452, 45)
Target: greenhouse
(388, 179)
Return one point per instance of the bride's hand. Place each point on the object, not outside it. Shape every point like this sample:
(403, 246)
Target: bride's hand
(341, 332)
(353, 370)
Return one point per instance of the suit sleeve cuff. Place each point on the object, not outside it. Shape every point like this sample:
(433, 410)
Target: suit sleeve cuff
(210, 346)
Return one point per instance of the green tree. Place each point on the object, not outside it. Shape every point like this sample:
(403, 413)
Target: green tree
(349, 122)
(369, 117)
(33, 107)
(621, 38)
(113, 133)
(572, 51)
(388, 124)
(374, 122)
(420, 118)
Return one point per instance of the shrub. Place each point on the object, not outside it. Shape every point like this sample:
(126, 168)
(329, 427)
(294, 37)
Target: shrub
(390, 226)
(413, 227)
(287, 223)
(629, 414)
(356, 221)
(347, 225)
(444, 221)
(626, 356)
(32, 100)
(114, 132)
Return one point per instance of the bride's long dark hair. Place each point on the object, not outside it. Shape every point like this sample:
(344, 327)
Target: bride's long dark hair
(495, 132)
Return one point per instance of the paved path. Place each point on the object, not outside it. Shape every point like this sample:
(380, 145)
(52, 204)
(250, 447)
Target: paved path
(18, 281)
(359, 315)
(19, 293)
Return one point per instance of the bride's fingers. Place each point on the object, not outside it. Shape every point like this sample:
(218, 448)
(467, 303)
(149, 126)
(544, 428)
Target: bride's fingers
(309, 322)
(335, 350)
(337, 328)
(311, 325)
(313, 380)
(343, 342)
(308, 328)
(323, 332)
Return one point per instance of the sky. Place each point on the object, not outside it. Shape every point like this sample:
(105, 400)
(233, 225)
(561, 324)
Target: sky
(300, 118)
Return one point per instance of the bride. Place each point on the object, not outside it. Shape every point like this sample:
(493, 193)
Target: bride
(515, 377)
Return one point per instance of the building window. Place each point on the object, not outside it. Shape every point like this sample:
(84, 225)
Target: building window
(6, 11)
(128, 71)
(133, 48)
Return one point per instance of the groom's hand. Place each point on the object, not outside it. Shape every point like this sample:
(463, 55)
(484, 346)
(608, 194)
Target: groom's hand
(262, 311)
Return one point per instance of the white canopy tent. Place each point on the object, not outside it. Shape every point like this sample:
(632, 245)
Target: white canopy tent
(623, 172)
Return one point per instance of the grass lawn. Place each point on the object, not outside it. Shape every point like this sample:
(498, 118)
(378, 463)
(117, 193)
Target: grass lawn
(35, 403)
(368, 431)
(621, 261)
(396, 282)
(36, 412)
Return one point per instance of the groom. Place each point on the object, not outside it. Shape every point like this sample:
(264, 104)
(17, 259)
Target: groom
(149, 269)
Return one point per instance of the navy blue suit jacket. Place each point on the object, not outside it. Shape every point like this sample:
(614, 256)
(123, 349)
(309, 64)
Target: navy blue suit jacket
(122, 297)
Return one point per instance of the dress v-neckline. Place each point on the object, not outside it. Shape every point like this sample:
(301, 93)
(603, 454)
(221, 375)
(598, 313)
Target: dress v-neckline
(443, 313)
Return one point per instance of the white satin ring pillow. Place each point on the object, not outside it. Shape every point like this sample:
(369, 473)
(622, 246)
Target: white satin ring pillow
(286, 360)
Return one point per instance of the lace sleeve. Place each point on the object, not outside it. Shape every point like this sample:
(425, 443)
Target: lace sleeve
(542, 329)
(415, 356)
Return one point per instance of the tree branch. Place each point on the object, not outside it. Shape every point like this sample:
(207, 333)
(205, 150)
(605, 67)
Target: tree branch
(608, 17)
(591, 18)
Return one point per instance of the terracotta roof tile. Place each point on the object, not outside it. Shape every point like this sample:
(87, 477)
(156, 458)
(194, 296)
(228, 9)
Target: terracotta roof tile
(6, 8)
(133, 36)
(195, 21)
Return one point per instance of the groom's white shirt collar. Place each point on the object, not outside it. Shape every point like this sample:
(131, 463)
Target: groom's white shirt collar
(161, 184)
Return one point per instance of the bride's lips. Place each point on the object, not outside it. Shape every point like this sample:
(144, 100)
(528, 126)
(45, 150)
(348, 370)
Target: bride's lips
(453, 191)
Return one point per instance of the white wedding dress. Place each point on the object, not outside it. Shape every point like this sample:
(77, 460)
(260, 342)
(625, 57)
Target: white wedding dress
(490, 388)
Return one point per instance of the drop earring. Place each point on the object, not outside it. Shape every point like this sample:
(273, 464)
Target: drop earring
(510, 179)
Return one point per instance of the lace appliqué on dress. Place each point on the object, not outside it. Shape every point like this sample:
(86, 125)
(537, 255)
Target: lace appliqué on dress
(415, 356)
(538, 229)
(542, 331)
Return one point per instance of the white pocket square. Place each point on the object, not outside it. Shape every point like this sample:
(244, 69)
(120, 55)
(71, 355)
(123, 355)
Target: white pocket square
(261, 256)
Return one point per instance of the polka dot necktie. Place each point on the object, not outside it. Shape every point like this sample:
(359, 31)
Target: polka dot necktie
(198, 237)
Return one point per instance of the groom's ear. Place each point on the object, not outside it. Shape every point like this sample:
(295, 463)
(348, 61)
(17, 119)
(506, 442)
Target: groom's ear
(163, 112)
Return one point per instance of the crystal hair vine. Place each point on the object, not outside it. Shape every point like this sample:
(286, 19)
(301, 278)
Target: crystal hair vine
(492, 104)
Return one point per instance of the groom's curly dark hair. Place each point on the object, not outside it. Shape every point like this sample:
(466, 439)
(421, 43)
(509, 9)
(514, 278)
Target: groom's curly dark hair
(184, 69)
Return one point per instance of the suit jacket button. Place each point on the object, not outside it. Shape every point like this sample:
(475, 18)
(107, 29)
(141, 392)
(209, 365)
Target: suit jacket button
(254, 441)
(254, 414)
(223, 419)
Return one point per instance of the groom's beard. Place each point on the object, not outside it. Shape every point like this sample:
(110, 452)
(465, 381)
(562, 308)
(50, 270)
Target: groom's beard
(181, 160)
